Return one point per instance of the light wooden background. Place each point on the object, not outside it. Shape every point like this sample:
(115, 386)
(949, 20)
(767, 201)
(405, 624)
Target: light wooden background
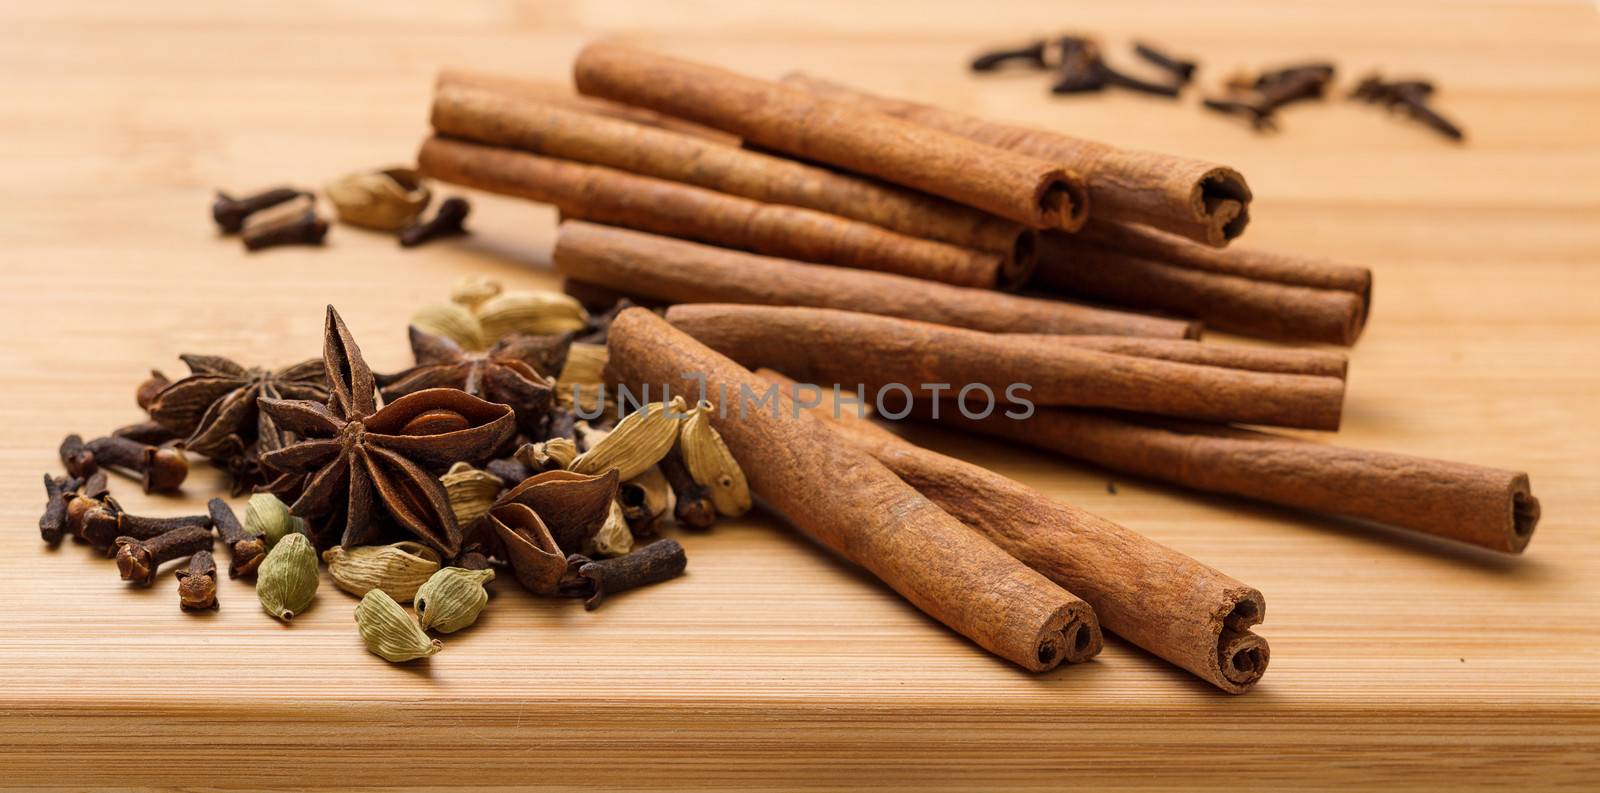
(1396, 660)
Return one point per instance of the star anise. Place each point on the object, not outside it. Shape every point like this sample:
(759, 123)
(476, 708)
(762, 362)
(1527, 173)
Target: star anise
(214, 410)
(517, 371)
(370, 466)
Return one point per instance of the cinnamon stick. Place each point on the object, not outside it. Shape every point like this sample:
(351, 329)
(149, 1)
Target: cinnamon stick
(661, 269)
(606, 195)
(898, 356)
(1246, 290)
(1202, 201)
(1161, 600)
(550, 130)
(1489, 507)
(562, 95)
(1322, 363)
(1019, 187)
(855, 506)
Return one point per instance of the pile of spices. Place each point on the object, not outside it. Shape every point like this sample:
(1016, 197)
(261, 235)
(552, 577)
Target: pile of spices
(378, 475)
(390, 200)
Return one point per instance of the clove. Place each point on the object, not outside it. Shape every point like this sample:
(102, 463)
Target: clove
(230, 212)
(160, 469)
(509, 469)
(694, 508)
(197, 583)
(593, 580)
(53, 523)
(1259, 98)
(138, 559)
(106, 521)
(307, 228)
(247, 547)
(90, 493)
(449, 221)
(149, 433)
(1182, 69)
(77, 458)
(1032, 55)
(1409, 97)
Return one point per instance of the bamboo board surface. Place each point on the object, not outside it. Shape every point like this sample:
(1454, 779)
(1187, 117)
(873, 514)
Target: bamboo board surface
(1396, 661)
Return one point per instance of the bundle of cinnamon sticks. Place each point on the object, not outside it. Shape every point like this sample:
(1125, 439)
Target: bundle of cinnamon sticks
(828, 236)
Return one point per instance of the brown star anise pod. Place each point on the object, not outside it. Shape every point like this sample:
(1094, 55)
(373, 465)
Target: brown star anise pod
(214, 410)
(370, 465)
(518, 371)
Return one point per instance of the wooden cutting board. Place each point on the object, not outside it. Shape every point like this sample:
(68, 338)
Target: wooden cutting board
(1397, 661)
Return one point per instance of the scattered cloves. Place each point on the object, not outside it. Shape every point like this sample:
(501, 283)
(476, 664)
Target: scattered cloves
(1409, 97)
(53, 523)
(1029, 54)
(77, 458)
(160, 469)
(694, 507)
(1181, 68)
(230, 212)
(138, 559)
(509, 469)
(197, 583)
(593, 580)
(248, 547)
(90, 493)
(1258, 98)
(449, 221)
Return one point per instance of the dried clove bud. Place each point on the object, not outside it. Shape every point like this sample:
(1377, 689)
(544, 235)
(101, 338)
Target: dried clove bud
(591, 580)
(397, 569)
(197, 583)
(388, 631)
(77, 458)
(248, 547)
(1409, 97)
(449, 221)
(53, 523)
(91, 493)
(1032, 55)
(138, 560)
(1181, 68)
(160, 469)
(306, 228)
(693, 506)
(452, 599)
(230, 213)
(386, 200)
(287, 580)
(105, 522)
(509, 470)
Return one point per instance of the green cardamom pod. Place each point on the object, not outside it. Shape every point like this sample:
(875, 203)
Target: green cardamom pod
(397, 569)
(269, 517)
(389, 632)
(287, 579)
(452, 599)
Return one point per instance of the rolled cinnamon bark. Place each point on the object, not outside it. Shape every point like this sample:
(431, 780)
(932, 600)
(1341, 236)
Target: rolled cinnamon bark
(547, 129)
(661, 269)
(849, 502)
(823, 345)
(606, 195)
(1239, 289)
(1182, 611)
(1490, 507)
(1231, 356)
(1022, 188)
(1203, 201)
(562, 95)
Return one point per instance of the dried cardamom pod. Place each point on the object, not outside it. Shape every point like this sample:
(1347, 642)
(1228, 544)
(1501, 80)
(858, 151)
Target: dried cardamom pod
(553, 453)
(528, 311)
(397, 569)
(472, 290)
(711, 464)
(639, 441)
(453, 321)
(388, 631)
(613, 538)
(645, 498)
(269, 517)
(287, 579)
(583, 374)
(386, 200)
(452, 599)
(471, 492)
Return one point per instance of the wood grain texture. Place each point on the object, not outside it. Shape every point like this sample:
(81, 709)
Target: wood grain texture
(1397, 662)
